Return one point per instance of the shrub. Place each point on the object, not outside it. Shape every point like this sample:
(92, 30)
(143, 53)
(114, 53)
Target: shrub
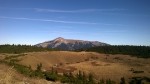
(101, 81)
(51, 76)
(122, 80)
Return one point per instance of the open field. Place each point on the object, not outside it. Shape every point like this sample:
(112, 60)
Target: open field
(8, 75)
(102, 66)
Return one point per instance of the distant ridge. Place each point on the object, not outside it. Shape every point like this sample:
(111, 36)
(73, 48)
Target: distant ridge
(69, 44)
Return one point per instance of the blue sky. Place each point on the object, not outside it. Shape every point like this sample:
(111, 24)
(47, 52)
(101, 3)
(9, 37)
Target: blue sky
(117, 22)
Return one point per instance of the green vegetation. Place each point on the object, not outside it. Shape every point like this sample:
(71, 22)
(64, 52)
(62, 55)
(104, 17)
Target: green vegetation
(101, 81)
(51, 75)
(79, 78)
(21, 49)
(13, 57)
(108, 81)
(69, 78)
(138, 51)
(139, 80)
(27, 71)
(122, 81)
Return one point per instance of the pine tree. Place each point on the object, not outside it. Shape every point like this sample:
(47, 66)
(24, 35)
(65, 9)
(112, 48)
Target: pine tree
(90, 79)
(39, 66)
(122, 80)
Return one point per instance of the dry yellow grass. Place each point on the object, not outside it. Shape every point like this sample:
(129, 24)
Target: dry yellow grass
(48, 59)
(101, 65)
(9, 76)
(109, 66)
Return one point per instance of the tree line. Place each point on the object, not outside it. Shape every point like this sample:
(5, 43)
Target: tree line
(21, 48)
(138, 51)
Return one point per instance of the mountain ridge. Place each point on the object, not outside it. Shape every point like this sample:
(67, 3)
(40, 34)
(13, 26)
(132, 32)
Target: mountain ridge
(69, 44)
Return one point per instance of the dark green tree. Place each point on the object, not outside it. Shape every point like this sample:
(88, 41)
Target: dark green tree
(39, 67)
(122, 80)
(101, 81)
(91, 79)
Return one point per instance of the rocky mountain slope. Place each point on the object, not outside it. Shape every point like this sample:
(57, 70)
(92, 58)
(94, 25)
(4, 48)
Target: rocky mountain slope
(69, 44)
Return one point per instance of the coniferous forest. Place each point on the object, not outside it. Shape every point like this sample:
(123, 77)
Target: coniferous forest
(21, 48)
(138, 51)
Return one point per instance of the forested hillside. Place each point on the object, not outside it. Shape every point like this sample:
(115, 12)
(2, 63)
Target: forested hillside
(139, 51)
(21, 48)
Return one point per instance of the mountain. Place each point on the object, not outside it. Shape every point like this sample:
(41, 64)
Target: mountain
(69, 44)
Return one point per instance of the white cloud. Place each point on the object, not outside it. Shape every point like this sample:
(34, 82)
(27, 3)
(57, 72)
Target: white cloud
(66, 32)
(78, 11)
(69, 11)
(115, 31)
(61, 21)
(48, 20)
(112, 24)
